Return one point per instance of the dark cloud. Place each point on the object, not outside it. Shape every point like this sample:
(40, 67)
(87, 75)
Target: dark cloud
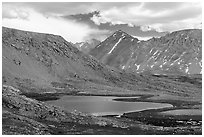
(132, 30)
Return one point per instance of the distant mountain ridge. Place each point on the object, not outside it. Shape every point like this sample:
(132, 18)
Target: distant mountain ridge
(87, 46)
(179, 52)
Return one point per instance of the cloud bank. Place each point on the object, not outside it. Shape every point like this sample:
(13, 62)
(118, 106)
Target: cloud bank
(154, 16)
(148, 16)
(26, 18)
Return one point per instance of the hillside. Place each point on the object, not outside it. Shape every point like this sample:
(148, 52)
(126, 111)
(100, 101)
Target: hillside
(179, 52)
(41, 59)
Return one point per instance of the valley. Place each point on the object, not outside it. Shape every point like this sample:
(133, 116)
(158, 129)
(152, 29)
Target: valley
(38, 68)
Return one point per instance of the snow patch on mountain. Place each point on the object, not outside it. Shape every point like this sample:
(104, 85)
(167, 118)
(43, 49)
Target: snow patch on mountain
(115, 45)
(142, 38)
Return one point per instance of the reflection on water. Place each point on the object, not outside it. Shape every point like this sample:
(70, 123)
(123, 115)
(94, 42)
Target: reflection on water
(103, 105)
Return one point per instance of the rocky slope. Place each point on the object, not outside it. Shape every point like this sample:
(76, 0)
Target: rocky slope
(179, 52)
(86, 46)
(31, 58)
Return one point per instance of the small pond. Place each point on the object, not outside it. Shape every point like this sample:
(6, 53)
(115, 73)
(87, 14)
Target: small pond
(103, 105)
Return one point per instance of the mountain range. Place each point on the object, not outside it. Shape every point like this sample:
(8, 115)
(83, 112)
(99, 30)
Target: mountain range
(37, 62)
(179, 52)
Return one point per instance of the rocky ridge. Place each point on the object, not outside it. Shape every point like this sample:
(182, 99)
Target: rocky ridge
(179, 52)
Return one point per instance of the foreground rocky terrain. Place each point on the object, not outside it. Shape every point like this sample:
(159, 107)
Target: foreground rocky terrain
(22, 115)
(175, 53)
(37, 67)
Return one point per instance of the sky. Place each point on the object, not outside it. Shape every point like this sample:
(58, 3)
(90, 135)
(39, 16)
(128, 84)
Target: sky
(81, 21)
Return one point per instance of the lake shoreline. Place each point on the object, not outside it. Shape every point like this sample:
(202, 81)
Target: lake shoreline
(150, 118)
(177, 104)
